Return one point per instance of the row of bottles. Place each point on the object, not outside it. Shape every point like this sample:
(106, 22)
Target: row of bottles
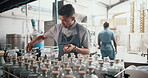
(81, 67)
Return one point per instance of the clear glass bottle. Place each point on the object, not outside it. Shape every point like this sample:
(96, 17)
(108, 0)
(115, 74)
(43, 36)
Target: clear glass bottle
(20, 58)
(76, 69)
(67, 71)
(56, 74)
(39, 63)
(83, 66)
(13, 54)
(12, 67)
(47, 61)
(44, 73)
(106, 62)
(90, 73)
(111, 69)
(101, 70)
(34, 73)
(18, 70)
(82, 74)
(65, 65)
(56, 62)
(71, 61)
(47, 65)
(26, 60)
(25, 72)
(32, 62)
(7, 65)
(34, 57)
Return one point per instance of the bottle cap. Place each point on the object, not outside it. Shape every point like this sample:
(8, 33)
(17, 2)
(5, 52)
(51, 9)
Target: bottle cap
(55, 73)
(66, 63)
(90, 68)
(47, 64)
(81, 72)
(77, 66)
(44, 70)
(69, 76)
(34, 66)
(68, 69)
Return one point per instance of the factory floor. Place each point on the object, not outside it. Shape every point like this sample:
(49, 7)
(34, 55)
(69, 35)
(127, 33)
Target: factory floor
(130, 56)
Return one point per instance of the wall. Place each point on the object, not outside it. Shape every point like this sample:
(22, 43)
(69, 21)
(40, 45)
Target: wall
(15, 21)
(136, 38)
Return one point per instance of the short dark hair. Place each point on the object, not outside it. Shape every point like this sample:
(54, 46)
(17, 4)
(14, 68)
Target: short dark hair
(67, 10)
(106, 25)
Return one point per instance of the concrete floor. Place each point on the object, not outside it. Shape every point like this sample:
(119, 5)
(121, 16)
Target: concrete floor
(130, 57)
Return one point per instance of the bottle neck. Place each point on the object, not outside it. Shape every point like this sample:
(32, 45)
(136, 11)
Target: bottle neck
(44, 74)
(35, 70)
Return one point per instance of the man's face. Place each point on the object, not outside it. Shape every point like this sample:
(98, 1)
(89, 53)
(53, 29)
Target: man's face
(67, 21)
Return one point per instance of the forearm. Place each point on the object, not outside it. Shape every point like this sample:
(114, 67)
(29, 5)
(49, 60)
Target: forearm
(83, 50)
(38, 39)
(99, 43)
(115, 44)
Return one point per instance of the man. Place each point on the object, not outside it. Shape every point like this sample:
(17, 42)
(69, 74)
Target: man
(70, 36)
(104, 41)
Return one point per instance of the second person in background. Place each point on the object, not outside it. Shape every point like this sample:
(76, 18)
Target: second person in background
(105, 39)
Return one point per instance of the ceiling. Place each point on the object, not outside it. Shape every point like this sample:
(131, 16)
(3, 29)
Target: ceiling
(10, 4)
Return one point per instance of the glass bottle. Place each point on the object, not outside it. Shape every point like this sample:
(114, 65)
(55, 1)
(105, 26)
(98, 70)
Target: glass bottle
(89, 63)
(34, 73)
(71, 61)
(76, 69)
(101, 70)
(58, 68)
(20, 58)
(47, 61)
(39, 65)
(111, 69)
(56, 62)
(25, 72)
(65, 57)
(44, 73)
(47, 65)
(83, 66)
(56, 74)
(40, 59)
(34, 57)
(26, 60)
(7, 65)
(67, 71)
(19, 69)
(82, 74)
(65, 65)
(12, 67)
(90, 73)
(13, 54)
(31, 63)
(106, 61)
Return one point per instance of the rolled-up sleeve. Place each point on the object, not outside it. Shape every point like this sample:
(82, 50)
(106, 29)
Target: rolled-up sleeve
(86, 39)
(53, 32)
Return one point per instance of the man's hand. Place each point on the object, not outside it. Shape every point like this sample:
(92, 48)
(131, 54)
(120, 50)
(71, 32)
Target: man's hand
(29, 47)
(68, 47)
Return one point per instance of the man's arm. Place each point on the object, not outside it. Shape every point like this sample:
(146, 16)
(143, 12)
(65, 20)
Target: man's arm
(115, 45)
(36, 40)
(99, 43)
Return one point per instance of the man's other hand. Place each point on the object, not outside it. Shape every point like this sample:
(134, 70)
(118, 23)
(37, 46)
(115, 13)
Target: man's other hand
(68, 47)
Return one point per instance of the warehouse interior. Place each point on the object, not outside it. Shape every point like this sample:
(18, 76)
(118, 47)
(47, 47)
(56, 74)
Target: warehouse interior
(127, 20)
